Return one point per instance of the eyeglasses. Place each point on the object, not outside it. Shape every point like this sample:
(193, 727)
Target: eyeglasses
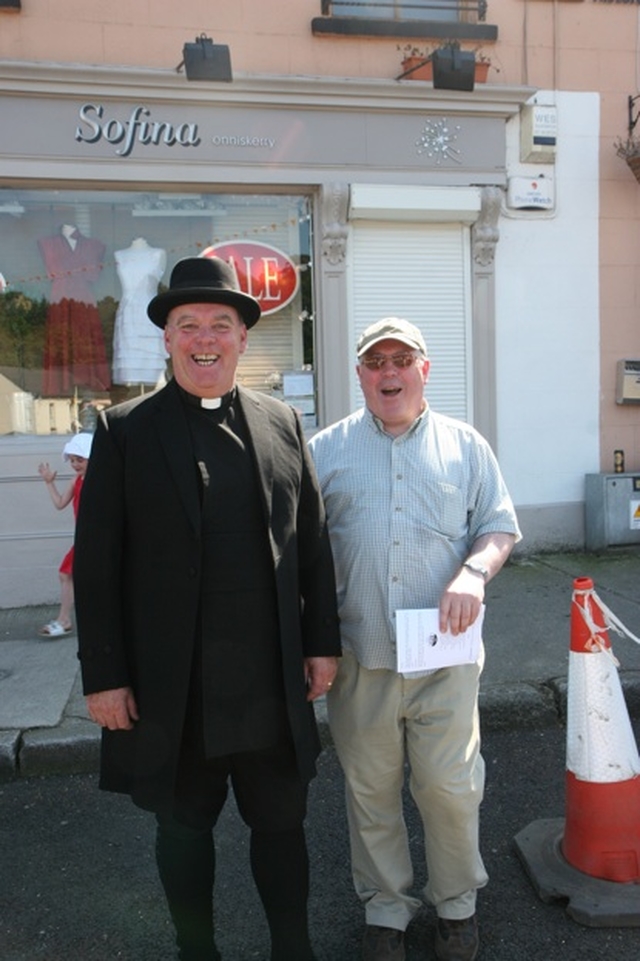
(378, 361)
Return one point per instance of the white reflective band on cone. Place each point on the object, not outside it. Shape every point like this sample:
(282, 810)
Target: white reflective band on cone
(601, 745)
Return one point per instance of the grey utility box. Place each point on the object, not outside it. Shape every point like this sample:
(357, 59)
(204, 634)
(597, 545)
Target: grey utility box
(628, 382)
(612, 510)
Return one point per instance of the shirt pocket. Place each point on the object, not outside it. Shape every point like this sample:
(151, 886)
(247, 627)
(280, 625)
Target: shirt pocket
(448, 513)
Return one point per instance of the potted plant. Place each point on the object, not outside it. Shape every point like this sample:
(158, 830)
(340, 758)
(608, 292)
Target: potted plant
(629, 150)
(483, 62)
(417, 63)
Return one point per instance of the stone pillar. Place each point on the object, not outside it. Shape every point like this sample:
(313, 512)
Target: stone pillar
(334, 350)
(484, 237)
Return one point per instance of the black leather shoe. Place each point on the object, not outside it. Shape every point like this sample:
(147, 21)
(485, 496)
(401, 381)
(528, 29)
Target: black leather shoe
(383, 944)
(457, 940)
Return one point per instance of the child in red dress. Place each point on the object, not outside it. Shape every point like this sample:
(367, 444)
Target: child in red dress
(76, 451)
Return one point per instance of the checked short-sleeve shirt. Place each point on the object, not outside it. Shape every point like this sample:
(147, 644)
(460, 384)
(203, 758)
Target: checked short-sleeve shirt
(403, 513)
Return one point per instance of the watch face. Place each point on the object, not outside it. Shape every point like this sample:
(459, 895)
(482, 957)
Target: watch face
(478, 568)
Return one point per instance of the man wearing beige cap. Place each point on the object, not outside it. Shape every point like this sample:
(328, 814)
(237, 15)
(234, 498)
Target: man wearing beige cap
(419, 517)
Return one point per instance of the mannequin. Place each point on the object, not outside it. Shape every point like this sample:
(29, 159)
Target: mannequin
(74, 353)
(138, 346)
(70, 234)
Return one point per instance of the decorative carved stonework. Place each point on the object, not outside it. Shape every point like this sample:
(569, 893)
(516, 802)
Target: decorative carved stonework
(335, 204)
(485, 233)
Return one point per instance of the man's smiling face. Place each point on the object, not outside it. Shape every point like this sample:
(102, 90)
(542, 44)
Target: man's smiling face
(205, 342)
(394, 394)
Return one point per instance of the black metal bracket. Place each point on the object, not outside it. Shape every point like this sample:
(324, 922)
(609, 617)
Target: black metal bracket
(632, 120)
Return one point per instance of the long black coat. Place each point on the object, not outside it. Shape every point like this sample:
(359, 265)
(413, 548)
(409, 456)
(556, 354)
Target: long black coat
(137, 576)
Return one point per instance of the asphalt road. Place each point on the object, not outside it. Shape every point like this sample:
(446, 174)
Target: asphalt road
(78, 882)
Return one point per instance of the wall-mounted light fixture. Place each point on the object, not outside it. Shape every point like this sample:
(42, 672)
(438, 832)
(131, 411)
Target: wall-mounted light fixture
(206, 60)
(453, 68)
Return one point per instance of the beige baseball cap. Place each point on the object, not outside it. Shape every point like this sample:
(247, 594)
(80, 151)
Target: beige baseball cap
(391, 328)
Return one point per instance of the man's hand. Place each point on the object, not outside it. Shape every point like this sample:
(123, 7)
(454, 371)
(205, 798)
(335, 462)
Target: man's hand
(319, 673)
(115, 709)
(463, 596)
(461, 602)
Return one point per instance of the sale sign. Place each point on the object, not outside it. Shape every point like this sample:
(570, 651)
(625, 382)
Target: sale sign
(262, 271)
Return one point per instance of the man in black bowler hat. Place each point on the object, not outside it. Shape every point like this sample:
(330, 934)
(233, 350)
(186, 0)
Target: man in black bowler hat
(206, 611)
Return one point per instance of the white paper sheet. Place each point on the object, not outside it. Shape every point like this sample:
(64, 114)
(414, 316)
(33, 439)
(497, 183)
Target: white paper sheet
(421, 646)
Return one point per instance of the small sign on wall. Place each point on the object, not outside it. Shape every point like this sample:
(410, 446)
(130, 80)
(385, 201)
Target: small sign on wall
(524, 193)
(538, 133)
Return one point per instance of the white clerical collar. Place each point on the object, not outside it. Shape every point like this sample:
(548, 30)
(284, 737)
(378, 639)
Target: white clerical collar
(210, 403)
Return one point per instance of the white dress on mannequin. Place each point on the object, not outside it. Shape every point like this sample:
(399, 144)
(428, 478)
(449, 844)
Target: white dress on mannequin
(139, 356)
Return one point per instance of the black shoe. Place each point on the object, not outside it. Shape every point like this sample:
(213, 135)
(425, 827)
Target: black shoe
(383, 944)
(200, 953)
(457, 940)
(199, 956)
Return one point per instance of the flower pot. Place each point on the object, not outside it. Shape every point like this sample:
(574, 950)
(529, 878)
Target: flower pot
(424, 71)
(420, 70)
(633, 163)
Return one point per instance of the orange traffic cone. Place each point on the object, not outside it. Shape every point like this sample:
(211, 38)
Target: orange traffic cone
(602, 823)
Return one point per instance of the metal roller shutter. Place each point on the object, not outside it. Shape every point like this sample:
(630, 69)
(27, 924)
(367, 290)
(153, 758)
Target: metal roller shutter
(420, 272)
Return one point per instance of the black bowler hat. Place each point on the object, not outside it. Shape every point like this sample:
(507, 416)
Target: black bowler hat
(203, 280)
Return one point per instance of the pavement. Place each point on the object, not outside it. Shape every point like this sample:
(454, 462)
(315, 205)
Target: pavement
(44, 727)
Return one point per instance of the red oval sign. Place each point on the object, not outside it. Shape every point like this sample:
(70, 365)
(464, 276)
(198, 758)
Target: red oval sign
(263, 271)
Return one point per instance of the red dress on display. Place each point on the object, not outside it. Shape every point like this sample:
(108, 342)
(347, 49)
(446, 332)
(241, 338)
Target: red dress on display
(74, 352)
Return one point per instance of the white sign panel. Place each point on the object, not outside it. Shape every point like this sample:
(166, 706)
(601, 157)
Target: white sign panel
(422, 646)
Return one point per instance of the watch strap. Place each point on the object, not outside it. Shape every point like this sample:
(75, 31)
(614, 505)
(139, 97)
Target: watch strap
(477, 568)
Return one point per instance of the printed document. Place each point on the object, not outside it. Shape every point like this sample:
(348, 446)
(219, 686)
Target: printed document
(423, 647)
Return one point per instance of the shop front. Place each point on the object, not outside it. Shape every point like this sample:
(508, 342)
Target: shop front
(335, 202)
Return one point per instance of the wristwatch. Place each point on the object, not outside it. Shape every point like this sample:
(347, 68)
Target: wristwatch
(477, 569)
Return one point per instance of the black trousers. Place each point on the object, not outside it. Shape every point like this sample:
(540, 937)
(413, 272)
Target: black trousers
(272, 800)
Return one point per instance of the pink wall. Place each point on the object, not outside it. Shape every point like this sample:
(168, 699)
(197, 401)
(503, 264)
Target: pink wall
(570, 45)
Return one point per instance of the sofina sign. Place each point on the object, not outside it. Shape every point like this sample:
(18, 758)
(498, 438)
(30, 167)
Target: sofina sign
(263, 271)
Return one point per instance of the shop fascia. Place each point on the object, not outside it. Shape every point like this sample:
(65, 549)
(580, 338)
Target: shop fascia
(140, 128)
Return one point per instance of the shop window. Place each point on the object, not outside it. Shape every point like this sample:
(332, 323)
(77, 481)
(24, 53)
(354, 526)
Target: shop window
(79, 267)
(450, 19)
(396, 9)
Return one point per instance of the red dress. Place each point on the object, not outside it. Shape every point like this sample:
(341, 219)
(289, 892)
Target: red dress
(74, 353)
(66, 567)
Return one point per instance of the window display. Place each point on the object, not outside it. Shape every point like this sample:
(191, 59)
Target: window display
(74, 352)
(138, 349)
(80, 266)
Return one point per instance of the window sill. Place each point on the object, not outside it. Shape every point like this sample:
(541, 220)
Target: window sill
(422, 29)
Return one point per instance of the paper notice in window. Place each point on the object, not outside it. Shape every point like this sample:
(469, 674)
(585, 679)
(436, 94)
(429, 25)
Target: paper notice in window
(421, 646)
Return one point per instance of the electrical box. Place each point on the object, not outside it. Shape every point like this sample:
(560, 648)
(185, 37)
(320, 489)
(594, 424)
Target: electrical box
(628, 382)
(612, 510)
(524, 193)
(538, 133)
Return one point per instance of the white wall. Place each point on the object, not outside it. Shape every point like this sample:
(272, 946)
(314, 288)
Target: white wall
(547, 321)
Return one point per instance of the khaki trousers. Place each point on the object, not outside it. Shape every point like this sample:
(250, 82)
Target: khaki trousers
(379, 720)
